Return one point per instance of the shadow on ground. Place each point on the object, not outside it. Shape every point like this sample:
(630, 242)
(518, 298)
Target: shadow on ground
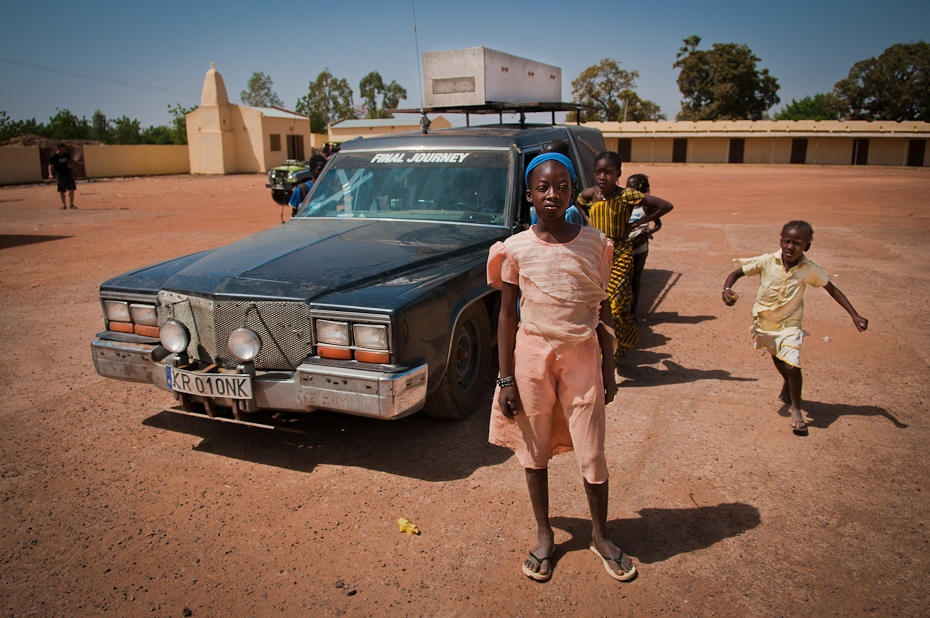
(417, 447)
(637, 368)
(659, 534)
(822, 415)
(8, 241)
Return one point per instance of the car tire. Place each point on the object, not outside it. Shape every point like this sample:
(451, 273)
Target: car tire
(280, 197)
(467, 375)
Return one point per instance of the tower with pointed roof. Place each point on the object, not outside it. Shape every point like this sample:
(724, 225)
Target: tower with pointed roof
(211, 137)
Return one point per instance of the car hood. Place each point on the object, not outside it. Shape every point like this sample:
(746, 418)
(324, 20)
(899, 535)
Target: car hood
(307, 258)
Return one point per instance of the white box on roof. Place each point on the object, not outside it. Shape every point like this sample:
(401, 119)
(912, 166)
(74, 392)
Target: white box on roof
(478, 75)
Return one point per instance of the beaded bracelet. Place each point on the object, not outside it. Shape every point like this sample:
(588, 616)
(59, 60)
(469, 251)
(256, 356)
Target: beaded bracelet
(505, 382)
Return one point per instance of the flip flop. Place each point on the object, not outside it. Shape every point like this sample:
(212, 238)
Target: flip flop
(799, 431)
(535, 575)
(618, 575)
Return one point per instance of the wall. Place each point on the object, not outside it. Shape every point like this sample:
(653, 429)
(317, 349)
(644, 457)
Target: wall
(830, 150)
(887, 151)
(767, 150)
(20, 165)
(708, 150)
(285, 127)
(141, 160)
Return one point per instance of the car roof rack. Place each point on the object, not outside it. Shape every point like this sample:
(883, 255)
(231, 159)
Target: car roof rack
(497, 107)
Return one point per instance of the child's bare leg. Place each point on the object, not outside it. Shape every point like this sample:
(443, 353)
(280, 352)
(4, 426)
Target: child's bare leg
(537, 481)
(785, 394)
(597, 503)
(794, 382)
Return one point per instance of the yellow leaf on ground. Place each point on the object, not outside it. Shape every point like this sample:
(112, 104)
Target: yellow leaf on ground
(407, 526)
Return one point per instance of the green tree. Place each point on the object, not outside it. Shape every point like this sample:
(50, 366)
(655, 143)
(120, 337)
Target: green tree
(808, 108)
(328, 99)
(65, 125)
(126, 131)
(894, 86)
(6, 127)
(14, 128)
(611, 91)
(157, 135)
(179, 123)
(371, 87)
(259, 93)
(723, 83)
(100, 127)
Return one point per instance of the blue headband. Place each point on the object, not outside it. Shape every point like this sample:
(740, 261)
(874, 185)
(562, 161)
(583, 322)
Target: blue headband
(549, 156)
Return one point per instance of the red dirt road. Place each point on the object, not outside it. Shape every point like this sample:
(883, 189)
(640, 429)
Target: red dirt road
(113, 507)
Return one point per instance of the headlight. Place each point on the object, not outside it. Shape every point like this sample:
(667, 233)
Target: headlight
(370, 336)
(333, 333)
(244, 344)
(174, 336)
(290, 175)
(143, 314)
(117, 311)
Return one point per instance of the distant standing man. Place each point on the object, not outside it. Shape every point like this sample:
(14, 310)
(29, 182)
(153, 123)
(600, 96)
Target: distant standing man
(60, 164)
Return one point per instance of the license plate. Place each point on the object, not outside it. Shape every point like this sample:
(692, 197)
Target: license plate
(233, 386)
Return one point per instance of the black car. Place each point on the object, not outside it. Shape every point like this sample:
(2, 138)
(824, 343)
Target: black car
(372, 301)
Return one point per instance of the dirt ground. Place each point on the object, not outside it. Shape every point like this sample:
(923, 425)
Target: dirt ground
(113, 507)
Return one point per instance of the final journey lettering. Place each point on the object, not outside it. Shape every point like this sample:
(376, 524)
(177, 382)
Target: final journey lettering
(420, 157)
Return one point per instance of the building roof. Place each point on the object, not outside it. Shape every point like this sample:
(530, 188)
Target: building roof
(277, 112)
(764, 128)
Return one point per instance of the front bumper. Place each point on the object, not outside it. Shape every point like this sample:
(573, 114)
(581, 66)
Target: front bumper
(361, 392)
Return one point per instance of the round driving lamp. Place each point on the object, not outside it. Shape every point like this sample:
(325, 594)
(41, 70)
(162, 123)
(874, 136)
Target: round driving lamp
(244, 344)
(174, 336)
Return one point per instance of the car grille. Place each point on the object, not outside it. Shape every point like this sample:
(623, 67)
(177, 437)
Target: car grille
(279, 176)
(284, 328)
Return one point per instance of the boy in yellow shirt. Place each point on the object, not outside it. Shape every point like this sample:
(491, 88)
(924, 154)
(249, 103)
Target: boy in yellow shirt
(779, 307)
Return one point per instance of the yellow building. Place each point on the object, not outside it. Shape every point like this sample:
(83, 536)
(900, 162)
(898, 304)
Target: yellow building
(828, 142)
(228, 139)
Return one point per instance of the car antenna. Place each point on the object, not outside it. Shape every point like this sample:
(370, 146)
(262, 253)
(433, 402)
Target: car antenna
(424, 121)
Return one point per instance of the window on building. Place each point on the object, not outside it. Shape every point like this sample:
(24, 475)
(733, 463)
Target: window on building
(680, 150)
(275, 142)
(799, 150)
(625, 149)
(737, 148)
(860, 152)
(295, 147)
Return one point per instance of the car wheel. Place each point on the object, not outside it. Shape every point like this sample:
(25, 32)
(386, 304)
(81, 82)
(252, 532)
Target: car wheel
(467, 375)
(280, 197)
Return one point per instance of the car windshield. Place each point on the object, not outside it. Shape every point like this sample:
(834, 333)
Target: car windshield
(466, 186)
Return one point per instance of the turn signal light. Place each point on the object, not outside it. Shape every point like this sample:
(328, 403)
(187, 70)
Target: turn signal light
(366, 356)
(147, 331)
(335, 353)
(121, 327)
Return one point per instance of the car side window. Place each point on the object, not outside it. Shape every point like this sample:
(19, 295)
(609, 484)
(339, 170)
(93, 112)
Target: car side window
(524, 212)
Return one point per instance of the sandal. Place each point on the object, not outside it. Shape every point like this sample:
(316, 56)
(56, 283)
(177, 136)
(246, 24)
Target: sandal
(536, 575)
(619, 574)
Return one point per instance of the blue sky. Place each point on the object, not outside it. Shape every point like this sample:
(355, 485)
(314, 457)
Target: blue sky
(168, 46)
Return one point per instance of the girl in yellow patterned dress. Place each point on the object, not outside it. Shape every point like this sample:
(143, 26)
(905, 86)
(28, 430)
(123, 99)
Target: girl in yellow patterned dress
(609, 207)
